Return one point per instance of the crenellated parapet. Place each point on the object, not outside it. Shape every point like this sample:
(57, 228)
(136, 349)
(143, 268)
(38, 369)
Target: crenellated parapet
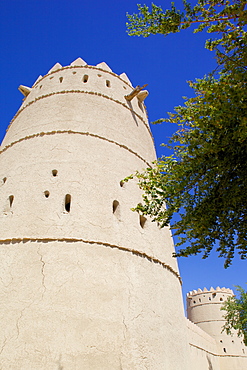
(80, 98)
(212, 296)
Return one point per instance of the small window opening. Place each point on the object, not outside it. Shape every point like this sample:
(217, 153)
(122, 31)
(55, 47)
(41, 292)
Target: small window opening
(74, 73)
(221, 341)
(51, 77)
(232, 341)
(60, 79)
(124, 87)
(142, 221)
(99, 75)
(67, 203)
(209, 298)
(243, 350)
(47, 193)
(54, 173)
(224, 349)
(121, 183)
(4, 179)
(221, 299)
(194, 301)
(11, 199)
(108, 84)
(200, 300)
(40, 86)
(85, 78)
(214, 295)
(115, 206)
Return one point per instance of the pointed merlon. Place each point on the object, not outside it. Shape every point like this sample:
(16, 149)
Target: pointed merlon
(218, 288)
(104, 66)
(78, 62)
(199, 290)
(142, 95)
(211, 289)
(25, 90)
(124, 77)
(205, 290)
(55, 67)
(39, 78)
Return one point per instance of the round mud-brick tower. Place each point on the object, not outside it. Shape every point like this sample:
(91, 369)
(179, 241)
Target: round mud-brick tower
(204, 309)
(85, 283)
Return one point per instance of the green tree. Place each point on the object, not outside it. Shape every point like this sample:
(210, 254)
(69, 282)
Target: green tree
(205, 179)
(236, 314)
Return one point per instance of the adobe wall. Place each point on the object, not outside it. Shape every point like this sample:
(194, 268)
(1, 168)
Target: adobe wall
(203, 349)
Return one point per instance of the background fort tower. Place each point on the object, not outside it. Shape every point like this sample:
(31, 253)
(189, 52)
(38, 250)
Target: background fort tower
(84, 282)
(204, 309)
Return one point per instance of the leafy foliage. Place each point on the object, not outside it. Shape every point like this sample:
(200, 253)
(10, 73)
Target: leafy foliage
(236, 314)
(205, 180)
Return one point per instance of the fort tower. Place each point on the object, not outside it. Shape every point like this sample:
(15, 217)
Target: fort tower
(85, 283)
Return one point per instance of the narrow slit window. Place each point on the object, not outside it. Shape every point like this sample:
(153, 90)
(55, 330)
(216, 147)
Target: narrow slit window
(116, 209)
(11, 199)
(54, 173)
(60, 79)
(108, 84)
(4, 179)
(115, 206)
(224, 349)
(121, 183)
(85, 78)
(142, 221)
(67, 202)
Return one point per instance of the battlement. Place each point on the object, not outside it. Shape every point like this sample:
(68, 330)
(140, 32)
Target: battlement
(193, 293)
(79, 77)
(84, 99)
(213, 295)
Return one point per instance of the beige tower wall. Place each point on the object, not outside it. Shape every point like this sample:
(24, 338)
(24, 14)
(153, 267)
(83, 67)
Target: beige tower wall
(83, 285)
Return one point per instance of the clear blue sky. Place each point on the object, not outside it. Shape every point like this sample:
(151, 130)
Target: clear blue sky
(35, 34)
